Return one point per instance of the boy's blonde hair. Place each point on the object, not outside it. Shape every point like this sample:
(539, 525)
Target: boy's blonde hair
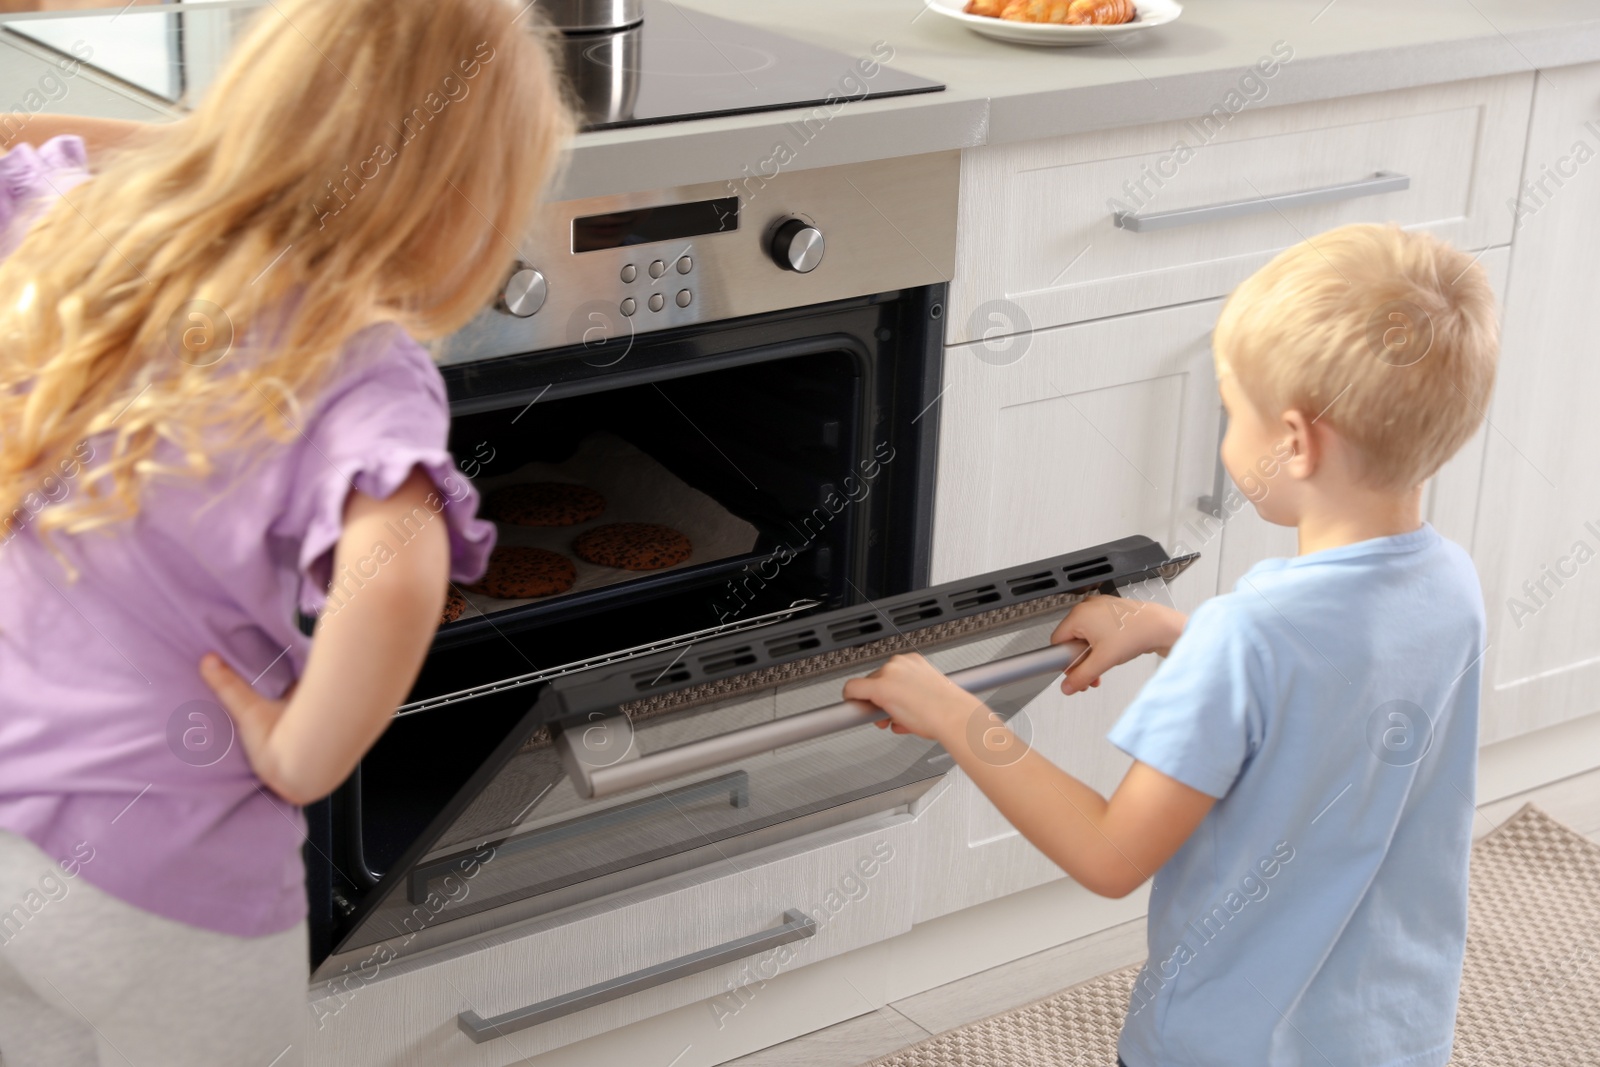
(1388, 335)
(357, 161)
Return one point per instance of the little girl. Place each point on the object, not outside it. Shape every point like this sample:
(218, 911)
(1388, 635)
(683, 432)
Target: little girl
(212, 397)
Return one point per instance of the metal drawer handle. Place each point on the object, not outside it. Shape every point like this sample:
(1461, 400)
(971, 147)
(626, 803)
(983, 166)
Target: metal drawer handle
(592, 781)
(796, 926)
(1381, 182)
(1212, 503)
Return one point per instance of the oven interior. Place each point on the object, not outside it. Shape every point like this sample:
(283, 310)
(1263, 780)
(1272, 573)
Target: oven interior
(766, 441)
(811, 427)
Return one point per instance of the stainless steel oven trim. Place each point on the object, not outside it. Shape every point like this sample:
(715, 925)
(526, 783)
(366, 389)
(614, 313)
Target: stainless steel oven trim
(890, 224)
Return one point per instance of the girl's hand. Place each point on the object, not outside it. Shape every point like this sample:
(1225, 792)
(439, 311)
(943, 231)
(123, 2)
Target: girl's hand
(254, 715)
(1117, 631)
(919, 699)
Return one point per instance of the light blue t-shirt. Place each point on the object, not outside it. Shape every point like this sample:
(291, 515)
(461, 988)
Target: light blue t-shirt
(1318, 915)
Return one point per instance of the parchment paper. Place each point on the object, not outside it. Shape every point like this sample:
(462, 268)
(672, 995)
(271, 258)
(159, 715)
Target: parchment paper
(637, 489)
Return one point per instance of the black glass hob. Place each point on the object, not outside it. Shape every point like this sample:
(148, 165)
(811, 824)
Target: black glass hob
(679, 63)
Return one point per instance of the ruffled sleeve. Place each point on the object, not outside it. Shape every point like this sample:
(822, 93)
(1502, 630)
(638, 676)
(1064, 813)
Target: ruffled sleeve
(30, 177)
(381, 419)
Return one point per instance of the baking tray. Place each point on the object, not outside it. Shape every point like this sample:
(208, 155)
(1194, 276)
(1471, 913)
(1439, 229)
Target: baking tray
(637, 488)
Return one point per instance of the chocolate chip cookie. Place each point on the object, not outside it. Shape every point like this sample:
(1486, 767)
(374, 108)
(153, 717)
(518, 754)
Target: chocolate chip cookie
(516, 572)
(544, 504)
(633, 546)
(454, 605)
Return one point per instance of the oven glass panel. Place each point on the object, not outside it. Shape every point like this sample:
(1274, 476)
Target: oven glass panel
(529, 842)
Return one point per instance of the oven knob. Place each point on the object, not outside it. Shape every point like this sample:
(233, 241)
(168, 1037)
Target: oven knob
(524, 293)
(797, 246)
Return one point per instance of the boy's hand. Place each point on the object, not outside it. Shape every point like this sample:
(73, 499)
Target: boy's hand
(920, 700)
(1117, 630)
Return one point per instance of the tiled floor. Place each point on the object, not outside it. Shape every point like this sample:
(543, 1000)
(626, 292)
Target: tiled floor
(1574, 801)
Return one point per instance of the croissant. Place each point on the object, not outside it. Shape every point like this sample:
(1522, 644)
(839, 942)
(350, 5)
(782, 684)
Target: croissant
(1064, 12)
(1100, 12)
(991, 8)
(1036, 10)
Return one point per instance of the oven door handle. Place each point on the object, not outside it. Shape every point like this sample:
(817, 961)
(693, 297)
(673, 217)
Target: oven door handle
(589, 750)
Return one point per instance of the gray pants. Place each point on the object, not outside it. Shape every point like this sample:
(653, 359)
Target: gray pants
(89, 981)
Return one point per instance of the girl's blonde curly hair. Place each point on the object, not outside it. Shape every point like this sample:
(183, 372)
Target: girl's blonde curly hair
(358, 161)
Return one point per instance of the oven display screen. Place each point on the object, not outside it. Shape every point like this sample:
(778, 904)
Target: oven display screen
(666, 222)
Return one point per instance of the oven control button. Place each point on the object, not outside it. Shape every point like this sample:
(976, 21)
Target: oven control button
(684, 296)
(797, 245)
(657, 301)
(685, 265)
(628, 306)
(524, 293)
(629, 273)
(657, 269)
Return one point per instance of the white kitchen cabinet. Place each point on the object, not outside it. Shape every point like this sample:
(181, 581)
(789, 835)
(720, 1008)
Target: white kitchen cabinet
(1097, 431)
(1061, 436)
(1538, 534)
(1450, 502)
(1037, 229)
(1090, 433)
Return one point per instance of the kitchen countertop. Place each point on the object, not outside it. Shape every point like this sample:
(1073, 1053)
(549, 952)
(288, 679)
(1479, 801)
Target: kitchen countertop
(1001, 92)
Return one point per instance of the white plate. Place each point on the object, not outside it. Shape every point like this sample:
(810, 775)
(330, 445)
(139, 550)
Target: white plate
(1150, 13)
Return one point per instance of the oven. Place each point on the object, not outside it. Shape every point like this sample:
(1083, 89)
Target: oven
(757, 367)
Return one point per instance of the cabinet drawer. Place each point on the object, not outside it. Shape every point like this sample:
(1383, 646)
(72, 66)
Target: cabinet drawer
(1038, 227)
(856, 883)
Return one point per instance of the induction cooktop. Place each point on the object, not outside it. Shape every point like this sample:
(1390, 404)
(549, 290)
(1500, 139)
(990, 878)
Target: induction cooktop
(679, 64)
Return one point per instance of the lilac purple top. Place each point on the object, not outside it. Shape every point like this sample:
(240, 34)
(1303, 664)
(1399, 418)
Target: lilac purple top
(111, 747)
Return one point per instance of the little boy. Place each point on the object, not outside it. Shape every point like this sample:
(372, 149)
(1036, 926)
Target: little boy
(1303, 777)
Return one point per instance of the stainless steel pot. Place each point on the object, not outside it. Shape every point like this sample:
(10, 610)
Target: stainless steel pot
(588, 16)
(603, 71)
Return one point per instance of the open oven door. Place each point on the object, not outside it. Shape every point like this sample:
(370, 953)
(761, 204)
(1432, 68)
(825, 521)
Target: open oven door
(647, 762)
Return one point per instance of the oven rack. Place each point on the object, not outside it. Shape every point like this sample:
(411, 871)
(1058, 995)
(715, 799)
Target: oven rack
(546, 674)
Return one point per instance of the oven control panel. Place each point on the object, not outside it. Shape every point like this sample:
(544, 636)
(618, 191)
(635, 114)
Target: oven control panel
(598, 271)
